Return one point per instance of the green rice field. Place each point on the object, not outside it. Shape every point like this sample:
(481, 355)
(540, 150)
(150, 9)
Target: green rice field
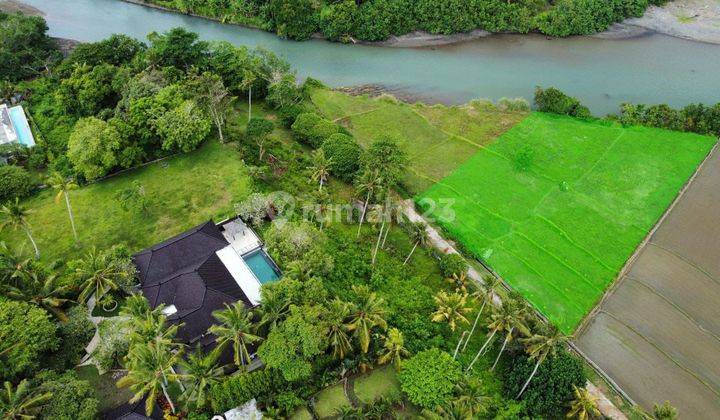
(557, 205)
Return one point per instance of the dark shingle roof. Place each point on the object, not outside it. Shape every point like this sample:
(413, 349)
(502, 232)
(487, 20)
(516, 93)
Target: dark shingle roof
(186, 272)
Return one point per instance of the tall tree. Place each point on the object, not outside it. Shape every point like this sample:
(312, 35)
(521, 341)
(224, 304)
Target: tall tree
(583, 406)
(15, 217)
(451, 308)
(338, 312)
(235, 328)
(369, 312)
(505, 318)
(64, 185)
(149, 367)
(21, 402)
(393, 349)
(419, 235)
(472, 392)
(214, 98)
(199, 372)
(486, 293)
(40, 289)
(540, 346)
(320, 168)
(368, 184)
(247, 83)
(100, 272)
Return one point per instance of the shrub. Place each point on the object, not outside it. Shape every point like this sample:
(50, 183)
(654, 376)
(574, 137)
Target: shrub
(238, 389)
(72, 398)
(303, 126)
(344, 154)
(555, 101)
(429, 378)
(453, 264)
(28, 332)
(74, 335)
(551, 388)
(14, 182)
(258, 128)
(321, 132)
(584, 17)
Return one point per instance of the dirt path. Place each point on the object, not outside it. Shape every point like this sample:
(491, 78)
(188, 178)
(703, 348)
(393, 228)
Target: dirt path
(606, 407)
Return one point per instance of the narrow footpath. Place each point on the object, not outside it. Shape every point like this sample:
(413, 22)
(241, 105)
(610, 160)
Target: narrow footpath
(606, 407)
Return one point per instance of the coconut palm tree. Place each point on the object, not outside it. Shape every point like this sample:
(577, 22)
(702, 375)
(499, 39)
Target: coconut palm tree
(338, 312)
(21, 402)
(64, 185)
(235, 328)
(275, 307)
(453, 410)
(419, 235)
(460, 281)
(150, 372)
(486, 293)
(472, 392)
(505, 318)
(320, 168)
(100, 272)
(136, 307)
(515, 317)
(41, 289)
(451, 308)
(368, 313)
(199, 372)
(541, 345)
(15, 217)
(247, 83)
(369, 184)
(393, 349)
(584, 405)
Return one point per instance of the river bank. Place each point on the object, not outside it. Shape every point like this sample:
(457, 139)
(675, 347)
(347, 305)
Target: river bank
(695, 20)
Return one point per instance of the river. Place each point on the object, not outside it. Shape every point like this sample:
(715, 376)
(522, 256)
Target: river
(601, 72)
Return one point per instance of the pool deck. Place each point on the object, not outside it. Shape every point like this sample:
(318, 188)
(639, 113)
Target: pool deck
(241, 237)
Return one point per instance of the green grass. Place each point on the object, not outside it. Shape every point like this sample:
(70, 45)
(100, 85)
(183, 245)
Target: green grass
(109, 395)
(559, 226)
(437, 139)
(183, 191)
(380, 382)
(329, 400)
(301, 413)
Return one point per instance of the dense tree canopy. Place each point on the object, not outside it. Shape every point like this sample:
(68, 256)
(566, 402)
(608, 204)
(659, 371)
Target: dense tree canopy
(26, 332)
(25, 49)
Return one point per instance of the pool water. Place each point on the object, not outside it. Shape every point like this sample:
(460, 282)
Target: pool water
(261, 265)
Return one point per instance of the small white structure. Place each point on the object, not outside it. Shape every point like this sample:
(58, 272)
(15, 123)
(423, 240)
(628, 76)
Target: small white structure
(247, 411)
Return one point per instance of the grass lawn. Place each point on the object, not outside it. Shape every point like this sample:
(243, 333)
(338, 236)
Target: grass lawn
(557, 205)
(183, 191)
(330, 399)
(380, 382)
(109, 395)
(437, 139)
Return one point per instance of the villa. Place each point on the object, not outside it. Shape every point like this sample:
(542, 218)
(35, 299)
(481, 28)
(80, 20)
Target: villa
(201, 271)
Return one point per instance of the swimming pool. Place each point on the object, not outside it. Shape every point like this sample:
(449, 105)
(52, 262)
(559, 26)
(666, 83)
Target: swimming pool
(22, 129)
(262, 266)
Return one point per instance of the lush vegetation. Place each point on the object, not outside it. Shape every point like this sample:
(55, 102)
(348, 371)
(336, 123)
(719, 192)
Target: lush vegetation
(358, 291)
(420, 130)
(376, 20)
(568, 202)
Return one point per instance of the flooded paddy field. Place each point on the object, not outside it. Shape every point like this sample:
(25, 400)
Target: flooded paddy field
(657, 334)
